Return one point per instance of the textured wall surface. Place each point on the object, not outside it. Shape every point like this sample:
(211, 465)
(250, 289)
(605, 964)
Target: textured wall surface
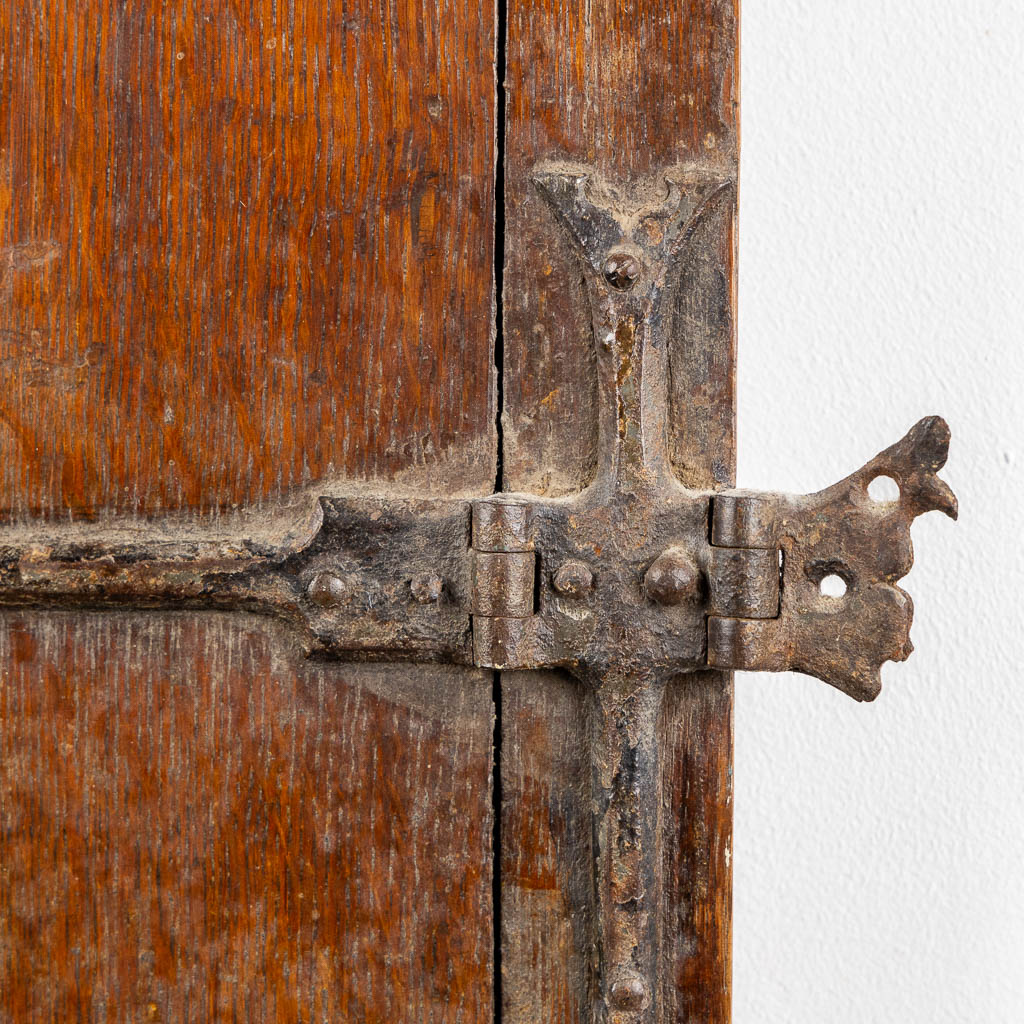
(879, 875)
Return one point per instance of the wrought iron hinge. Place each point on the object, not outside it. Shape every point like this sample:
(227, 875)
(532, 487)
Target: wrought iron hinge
(628, 585)
(731, 580)
(841, 532)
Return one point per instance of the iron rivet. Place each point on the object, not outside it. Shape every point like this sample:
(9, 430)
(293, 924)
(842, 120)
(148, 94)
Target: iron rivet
(573, 579)
(327, 590)
(628, 994)
(427, 589)
(673, 578)
(621, 270)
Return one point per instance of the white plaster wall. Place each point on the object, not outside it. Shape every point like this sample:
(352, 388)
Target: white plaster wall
(879, 852)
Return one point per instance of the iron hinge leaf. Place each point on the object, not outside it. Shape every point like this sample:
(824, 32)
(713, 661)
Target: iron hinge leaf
(841, 532)
(372, 578)
(544, 598)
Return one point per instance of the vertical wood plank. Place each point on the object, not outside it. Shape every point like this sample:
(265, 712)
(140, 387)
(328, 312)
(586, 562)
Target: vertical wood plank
(246, 257)
(194, 827)
(633, 90)
(245, 246)
(697, 786)
(546, 852)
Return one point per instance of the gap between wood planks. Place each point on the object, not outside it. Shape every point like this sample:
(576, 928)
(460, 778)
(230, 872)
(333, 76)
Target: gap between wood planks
(501, 29)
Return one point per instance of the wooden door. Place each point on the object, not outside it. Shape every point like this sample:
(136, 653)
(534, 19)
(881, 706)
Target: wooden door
(247, 258)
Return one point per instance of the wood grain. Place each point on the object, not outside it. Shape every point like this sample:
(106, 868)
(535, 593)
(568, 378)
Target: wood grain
(196, 828)
(633, 90)
(546, 851)
(244, 246)
(245, 258)
(696, 743)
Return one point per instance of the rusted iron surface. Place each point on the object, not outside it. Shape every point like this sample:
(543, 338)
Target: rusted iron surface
(842, 532)
(377, 578)
(621, 579)
(640, 614)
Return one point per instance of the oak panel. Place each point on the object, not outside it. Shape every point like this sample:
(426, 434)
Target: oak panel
(195, 827)
(245, 246)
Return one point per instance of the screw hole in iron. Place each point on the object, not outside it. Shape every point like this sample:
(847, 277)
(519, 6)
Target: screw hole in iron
(832, 585)
(884, 489)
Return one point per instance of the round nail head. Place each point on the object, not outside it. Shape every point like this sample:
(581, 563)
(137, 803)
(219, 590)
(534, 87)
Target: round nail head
(327, 590)
(628, 994)
(573, 579)
(427, 589)
(673, 578)
(622, 270)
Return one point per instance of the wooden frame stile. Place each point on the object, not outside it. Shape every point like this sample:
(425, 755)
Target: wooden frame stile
(639, 92)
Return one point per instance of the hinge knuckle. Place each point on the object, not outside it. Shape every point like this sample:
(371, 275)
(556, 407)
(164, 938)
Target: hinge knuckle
(743, 519)
(744, 582)
(504, 584)
(744, 644)
(504, 643)
(502, 525)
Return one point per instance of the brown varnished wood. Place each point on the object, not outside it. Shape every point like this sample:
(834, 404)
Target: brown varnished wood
(546, 866)
(632, 90)
(245, 258)
(697, 787)
(244, 246)
(193, 827)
